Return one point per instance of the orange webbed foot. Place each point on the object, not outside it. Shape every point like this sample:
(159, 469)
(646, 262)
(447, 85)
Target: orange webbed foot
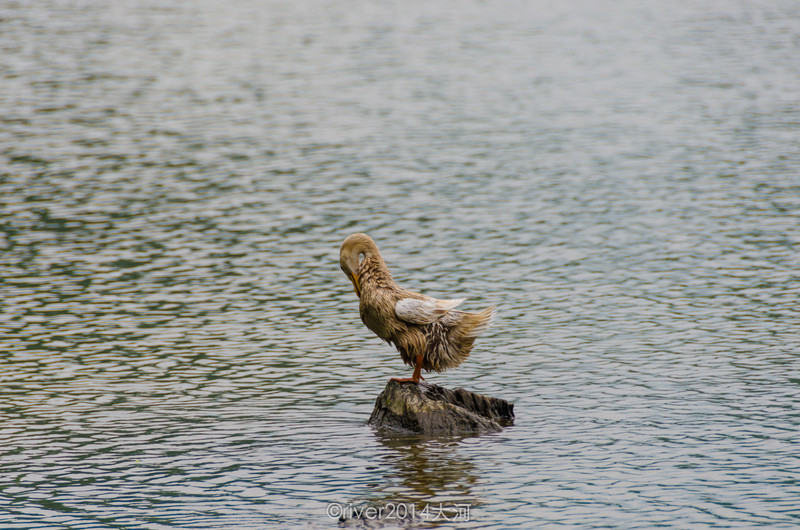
(408, 379)
(416, 376)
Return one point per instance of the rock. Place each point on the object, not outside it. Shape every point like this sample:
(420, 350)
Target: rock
(430, 409)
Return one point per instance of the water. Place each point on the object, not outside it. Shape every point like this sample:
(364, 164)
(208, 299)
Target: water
(179, 349)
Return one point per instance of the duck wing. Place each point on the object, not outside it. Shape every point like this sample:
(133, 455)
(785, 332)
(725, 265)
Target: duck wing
(425, 311)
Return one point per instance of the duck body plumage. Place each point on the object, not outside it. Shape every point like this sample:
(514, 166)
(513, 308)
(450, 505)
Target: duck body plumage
(422, 328)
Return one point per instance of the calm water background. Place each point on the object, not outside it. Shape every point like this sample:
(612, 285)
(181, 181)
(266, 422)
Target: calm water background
(178, 347)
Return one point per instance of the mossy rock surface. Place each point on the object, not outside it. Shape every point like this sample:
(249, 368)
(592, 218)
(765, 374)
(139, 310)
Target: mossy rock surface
(430, 409)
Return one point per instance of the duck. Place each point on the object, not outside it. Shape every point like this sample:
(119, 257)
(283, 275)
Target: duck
(429, 333)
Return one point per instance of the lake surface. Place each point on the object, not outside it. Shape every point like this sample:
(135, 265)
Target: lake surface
(179, 349)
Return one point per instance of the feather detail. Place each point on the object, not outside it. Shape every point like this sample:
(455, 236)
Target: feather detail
(423, 311)
(481, 321)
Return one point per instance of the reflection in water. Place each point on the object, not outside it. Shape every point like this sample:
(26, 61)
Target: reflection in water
(426, 471)
(424, 478)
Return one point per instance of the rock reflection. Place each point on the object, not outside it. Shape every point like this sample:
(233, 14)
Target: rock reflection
(429, 482)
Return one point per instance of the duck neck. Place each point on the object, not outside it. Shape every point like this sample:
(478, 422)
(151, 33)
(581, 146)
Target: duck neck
(373, 270)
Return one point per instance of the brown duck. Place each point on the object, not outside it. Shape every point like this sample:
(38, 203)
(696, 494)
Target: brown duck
(429, 333)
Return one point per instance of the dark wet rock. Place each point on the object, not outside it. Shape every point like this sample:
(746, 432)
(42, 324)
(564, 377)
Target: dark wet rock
(434, 410)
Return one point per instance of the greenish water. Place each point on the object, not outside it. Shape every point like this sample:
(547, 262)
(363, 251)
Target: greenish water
(179, 349)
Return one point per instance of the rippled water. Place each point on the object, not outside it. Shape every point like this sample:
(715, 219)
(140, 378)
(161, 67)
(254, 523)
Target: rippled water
(178, 347)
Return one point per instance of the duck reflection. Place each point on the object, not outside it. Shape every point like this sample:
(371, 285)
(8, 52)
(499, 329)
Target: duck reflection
(427, 469)
(429, 482)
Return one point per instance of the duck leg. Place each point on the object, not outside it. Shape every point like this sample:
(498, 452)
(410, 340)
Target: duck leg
(416, 376)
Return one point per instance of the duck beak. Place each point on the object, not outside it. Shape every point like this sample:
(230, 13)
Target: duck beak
(356, 285)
